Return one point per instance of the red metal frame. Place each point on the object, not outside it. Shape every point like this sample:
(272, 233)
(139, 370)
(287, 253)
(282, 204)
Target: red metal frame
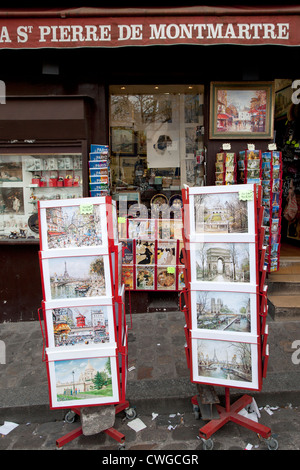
(112, 432)
(230, 413)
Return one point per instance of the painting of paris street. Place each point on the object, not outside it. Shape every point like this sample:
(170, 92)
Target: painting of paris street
(77, 276)
(224, 360)
(67, 227)
(82, 325)
(222, 262)
(223, 311)
(220, 213)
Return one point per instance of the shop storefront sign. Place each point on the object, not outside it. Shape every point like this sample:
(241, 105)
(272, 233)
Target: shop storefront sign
(20, 33)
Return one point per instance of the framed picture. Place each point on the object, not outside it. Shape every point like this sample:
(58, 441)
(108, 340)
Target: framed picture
(79, 324)
(144, 252)
(241, 110)
(231, 363)
(224, 264)
(128, 277)
(145, 278)
(73, 276)
(224, 311)
(166, 253)
(83, 379)
(73, 223)
(166, 278)
(141, 229)
(222, 213)
(122, 141)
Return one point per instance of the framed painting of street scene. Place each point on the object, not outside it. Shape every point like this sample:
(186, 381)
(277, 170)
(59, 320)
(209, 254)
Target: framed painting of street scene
(83, 381)
(223, 213)
(79, 324)
(241, 110)
(224, 264)
(224, 311)
(72, 276)
(231, 363)
(73, 223)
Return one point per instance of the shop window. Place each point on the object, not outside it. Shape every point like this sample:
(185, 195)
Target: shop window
(27, 178)
(156, 141)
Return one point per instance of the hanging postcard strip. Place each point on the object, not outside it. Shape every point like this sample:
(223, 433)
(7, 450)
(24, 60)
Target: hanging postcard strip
(223, 213)
(232, 363)
(224, 312)
(83, 379)
(73, 223)
(74, 275)
(83, 324)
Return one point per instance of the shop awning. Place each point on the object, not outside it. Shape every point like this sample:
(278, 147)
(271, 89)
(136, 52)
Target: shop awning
(117, 27)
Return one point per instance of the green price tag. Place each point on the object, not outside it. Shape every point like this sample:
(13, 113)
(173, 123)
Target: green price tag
(86, 208)
(246, 195)
(171, 270)
(121, 220)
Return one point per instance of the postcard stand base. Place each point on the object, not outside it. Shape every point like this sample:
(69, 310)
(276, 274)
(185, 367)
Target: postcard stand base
(231, 413)
(112, 432)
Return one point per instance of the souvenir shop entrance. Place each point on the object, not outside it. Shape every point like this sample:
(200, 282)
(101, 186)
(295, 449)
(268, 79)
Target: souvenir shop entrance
(152, 107)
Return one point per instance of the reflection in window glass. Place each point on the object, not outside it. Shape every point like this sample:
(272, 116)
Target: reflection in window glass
(25, 179)
(156, 139)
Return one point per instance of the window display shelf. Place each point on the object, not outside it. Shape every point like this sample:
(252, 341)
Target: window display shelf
(27, 178)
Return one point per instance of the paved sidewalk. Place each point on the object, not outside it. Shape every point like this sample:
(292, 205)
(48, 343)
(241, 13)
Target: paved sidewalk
(158, 381)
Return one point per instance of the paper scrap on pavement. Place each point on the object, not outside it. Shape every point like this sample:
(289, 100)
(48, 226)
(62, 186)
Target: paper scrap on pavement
(248, 447)
(7, 427)
(154, 415)
(137, 424)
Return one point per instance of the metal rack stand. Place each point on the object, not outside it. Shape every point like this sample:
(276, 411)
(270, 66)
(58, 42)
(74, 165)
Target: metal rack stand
(112, 432)
(231, 413)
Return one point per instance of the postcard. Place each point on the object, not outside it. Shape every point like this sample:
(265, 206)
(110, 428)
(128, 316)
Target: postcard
(83, 381)
(80, 325)
(225, 363)
(166, 278)
(224, 311)
(75, 276)
(73, 223)
(223, 263)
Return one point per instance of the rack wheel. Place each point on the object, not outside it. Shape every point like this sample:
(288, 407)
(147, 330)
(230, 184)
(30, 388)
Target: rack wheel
(272, 443)
(130, 413)
(208, 444)
(70, 417)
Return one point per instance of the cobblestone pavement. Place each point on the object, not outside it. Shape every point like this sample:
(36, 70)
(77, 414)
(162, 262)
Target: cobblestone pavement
(176, 431)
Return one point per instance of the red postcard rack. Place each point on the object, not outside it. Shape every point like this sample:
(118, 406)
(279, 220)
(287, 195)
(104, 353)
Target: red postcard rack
(83, 306)
(224, 300)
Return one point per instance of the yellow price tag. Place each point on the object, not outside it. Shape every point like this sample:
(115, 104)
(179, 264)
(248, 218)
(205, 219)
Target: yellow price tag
(121, 220)
(86, 208)
(246, 195)
(171, 270)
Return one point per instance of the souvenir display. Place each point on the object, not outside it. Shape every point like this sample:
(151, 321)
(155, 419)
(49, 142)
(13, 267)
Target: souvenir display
(83, 302)
(99, 170)
(225, 167)
(224, 286)
(272, 204)
(263, 169)
(152, 255)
